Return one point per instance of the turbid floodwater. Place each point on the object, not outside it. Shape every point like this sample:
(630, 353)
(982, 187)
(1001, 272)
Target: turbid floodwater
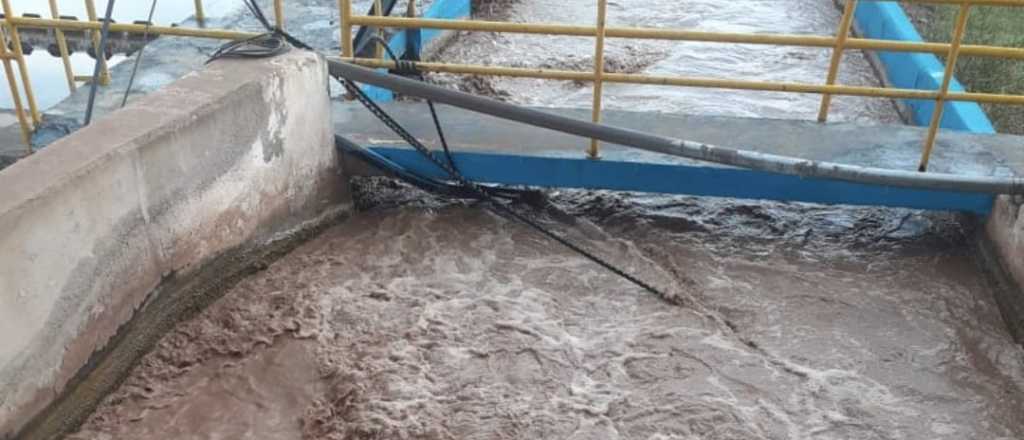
(421, 318)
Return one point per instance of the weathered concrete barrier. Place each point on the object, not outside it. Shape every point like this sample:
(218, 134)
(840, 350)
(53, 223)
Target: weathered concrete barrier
(230, 157)
(1003, 245)
(1002, 242)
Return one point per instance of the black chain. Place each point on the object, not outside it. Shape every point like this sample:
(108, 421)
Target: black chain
(398, 129)
(480, 192)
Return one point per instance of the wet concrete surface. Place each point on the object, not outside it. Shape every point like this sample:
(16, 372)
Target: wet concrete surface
(424, 319)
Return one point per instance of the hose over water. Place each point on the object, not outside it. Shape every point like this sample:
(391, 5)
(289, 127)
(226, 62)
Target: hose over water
(464, 186)
(676, 147)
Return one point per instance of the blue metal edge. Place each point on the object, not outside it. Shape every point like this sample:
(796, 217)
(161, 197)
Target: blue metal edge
(446, 9)
(695, 180)
(888, 21)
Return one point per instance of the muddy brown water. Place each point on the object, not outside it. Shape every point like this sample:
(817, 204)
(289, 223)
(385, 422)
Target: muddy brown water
(447, 321)
(426, 319)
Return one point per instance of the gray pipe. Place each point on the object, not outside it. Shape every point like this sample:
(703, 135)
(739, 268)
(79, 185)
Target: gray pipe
(659, 144)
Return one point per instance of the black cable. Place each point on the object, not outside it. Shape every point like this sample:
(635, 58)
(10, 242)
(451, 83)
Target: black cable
(101, 60)
(366, 33)
(258, 13)
(474, 191)
(260, 46)
(384, 164)
(408, 67)
(480, 192)
(138, 56)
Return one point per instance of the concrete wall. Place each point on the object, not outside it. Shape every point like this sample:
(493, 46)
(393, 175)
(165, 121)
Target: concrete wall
(1003, 244)
(238, 153)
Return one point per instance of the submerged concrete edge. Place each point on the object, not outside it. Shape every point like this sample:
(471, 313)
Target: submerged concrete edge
(223, 159)
(177, 299)
(1001, 243)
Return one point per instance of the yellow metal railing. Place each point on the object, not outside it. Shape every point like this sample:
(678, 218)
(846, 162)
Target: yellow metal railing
(845, 24)
(9, 37)
(200, 15)
(839, 43)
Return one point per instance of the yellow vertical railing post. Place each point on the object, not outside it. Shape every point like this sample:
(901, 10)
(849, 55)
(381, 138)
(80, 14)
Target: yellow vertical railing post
(279, 13)
(200, 15)
(947, 76)
(12, 82)
(837, 56)
(602, 12)
(26, 82)
(90, 10)
(378, 47)
(345, 9)
(62, 46)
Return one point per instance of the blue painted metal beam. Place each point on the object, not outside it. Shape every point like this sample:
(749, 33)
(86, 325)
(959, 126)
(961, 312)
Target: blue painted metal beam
(696, 180)
(444, 9)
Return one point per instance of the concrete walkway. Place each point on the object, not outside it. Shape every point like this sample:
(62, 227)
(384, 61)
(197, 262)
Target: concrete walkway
(496, 151)
(883, 146)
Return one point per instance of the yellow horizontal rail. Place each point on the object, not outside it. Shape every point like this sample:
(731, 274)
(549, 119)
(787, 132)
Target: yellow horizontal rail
(631, 78)
(837, 43)
(821, 41)
(74, 25)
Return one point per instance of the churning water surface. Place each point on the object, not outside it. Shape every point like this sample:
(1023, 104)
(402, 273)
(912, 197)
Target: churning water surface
(674, 58)
(424, 319)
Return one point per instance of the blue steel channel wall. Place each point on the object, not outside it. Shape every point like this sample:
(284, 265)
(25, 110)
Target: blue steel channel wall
(888, 21)
(447, 9)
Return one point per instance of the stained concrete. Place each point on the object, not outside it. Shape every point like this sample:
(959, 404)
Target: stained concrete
(1003, 245)
(236, 154)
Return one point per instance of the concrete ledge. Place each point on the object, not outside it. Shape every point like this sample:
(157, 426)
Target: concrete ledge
(231, 156)
(1002, 241)
(887, 20)
(1003, 244)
